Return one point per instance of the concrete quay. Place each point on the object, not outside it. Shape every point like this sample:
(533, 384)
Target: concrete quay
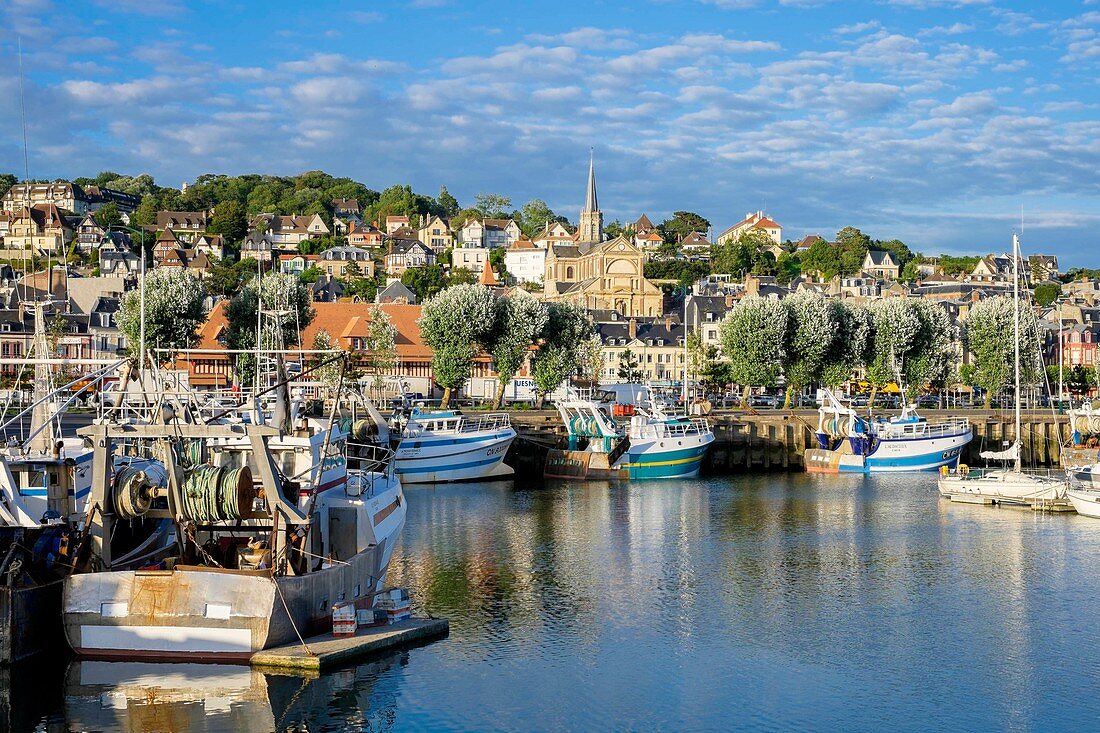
(326, 651)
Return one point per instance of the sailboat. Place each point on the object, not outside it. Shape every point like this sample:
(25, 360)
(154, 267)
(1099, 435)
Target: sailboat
(1005, 485)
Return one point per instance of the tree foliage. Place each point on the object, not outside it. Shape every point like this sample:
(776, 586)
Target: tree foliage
(173, 311)
(748, 253)
(230, 221)
(520, 319)
(990, 336)
(628, 370)
(851, 346)
(681, 224)
(811, 330)
(455, 323)
(753, 335)
(567, 326)
(1046, 293)
(107, 216)
(286, 303)
(379, 353)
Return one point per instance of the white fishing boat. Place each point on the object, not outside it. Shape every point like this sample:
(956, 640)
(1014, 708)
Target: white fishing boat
(263, 548)
(1005, 485)
(1086, 501)
(848, 442)
(612, 441)
(433, 446)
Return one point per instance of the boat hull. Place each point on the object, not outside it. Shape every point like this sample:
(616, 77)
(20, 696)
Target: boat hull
(462, 457)
(1087, 503)
(1002, 487)
(652, 460)
(891, 455)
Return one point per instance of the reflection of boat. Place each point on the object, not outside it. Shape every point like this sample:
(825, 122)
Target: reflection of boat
(908, 442)
(127, 697)
(445, 445)
(254, 563)
(648, 445)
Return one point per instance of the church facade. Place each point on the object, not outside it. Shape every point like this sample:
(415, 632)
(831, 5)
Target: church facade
(598, 273)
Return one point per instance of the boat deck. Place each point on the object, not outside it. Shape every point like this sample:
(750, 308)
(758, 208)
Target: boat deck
(327, 651)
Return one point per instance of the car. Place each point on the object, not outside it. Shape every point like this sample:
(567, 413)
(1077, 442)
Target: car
(807, 400)
(763, 400)
(928, 400)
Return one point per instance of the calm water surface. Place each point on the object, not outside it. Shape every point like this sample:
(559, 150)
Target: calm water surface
(756, 603)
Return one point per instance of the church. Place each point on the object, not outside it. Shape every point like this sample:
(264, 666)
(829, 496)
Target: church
(603, 274)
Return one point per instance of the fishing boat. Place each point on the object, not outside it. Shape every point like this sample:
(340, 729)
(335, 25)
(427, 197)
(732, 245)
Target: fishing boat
(1005, 485)
(433, 446)
(848, 442)
(608, 440)
(1086, 501)
(265, 541)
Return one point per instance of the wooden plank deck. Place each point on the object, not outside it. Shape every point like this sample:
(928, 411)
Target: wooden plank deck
(328, 651)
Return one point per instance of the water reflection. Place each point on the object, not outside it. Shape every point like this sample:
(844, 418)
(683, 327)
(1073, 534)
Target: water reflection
(757, 603)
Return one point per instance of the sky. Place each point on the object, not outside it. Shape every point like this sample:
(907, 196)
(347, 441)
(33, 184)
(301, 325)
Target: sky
(945, 123)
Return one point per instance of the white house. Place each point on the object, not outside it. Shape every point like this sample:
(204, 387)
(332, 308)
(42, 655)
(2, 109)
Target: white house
(526, 261)
(753, 220)
(489, 233)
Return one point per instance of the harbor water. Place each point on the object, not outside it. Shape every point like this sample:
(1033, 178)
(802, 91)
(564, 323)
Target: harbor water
(757, 603)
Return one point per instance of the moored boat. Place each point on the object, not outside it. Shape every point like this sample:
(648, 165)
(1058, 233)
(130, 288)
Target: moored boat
(446, 445)
(646, 445)
(848, 442)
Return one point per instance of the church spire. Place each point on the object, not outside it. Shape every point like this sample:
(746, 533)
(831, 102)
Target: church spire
(591, 219)
(590, 203)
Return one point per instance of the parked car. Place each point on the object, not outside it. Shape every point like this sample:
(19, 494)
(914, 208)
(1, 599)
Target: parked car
(763, 400)
(807, 400)
(928, 400)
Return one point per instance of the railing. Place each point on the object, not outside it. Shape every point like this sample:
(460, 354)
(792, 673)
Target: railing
(952, 426)
(369, 458)
(458, 424)
(695, 426)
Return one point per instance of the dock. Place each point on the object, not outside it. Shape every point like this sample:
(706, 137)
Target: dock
(1037, 505)
(327, 651)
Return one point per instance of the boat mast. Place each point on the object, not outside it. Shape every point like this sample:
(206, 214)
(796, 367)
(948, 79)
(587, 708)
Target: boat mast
(685, 374)
(1016, 340)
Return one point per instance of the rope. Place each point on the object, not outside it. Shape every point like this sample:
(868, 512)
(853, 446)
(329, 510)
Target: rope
(290, 617)
(211, 493)
(131, 495)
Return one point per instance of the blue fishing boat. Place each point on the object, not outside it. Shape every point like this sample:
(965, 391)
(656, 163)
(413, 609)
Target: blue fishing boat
(446, 445)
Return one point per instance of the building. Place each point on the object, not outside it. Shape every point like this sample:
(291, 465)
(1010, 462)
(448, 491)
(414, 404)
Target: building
(288, 232)
(470, 258)
(297, 263)
(406, 253)
(590, 226)
(525, 261)
(336, 261)
(696, 246)
(364, 235)
(882, 264)
(553, 232)
(393, 223)
(347, 209)
(657, 347)
(489, 233)
(436, 233)
(88, 234)
(186, 225)
(1042, 267)
(41, 229)
(753, 220)
(212, 245)
(257, 247)
(66, 196)
(396, 292)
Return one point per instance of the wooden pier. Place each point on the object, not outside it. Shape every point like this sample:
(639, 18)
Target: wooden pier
(326, 651)
(776, 440)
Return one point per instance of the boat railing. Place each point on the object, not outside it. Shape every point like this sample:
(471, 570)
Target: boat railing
(950, 426)
(678, 429)
(458, 424)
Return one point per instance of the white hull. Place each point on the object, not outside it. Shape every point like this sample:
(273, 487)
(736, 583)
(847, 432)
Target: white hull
(1088, 476)
(1003, 486)
(1087, 503)
(439, 457)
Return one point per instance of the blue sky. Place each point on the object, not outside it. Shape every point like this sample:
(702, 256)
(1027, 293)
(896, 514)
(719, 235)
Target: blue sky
(934, 121)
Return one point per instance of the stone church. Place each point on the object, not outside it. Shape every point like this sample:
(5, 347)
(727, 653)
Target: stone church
(603, 274)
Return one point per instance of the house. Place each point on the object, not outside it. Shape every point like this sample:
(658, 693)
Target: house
(212, 245)
(38, 229)
(124, 264)
(436, 233)
(195, 262)
(489, 233)
(295, 264)
(553, 232)
(364, 235)
(696, 246)
(882, 264)
(808, 241)
(996, 269)
(336, 262)
(347, 209)
(1042, 267)
(62, 194)
(185, 224)
(525, 261)
(327, 290)
(655, 345)
(470, 258)
(257, 247)
(753, 220)
(406, 253)
(649, 241)
(165, 246)
(90, 236)
(643, 226)
(393, 223)
(705, 314)
(287, 232)
(396, 292)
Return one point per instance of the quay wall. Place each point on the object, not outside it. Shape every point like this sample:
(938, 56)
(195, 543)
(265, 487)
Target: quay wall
(776, 440)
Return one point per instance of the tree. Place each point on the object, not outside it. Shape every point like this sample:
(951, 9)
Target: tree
(628, 368)
(454, 324)
(146, 212)
(230, 221)
(7, 180)
(933, 355)
(173, 311)
(1046, 293)
(107, 216)
(990, 336)
(681, 224)
(534, 216)
(1076, 380)
(520, 319)
(811, 330)
(379, 346)
(492, 205)
(590, 358)
(851, 346)
(753, 334)
(447, 202)
(424, 281)
(567, 326)
(329, 374)
(747, 253)
(286, 306)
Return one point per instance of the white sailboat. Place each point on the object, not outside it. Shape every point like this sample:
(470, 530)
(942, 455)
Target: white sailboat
(1005, 485)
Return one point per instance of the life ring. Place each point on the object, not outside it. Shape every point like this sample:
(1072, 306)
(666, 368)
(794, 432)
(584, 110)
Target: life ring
(963, 469)
(944, 470)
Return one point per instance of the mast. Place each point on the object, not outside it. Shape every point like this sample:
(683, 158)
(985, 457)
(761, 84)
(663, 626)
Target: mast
(686, 411)
(1016, 340)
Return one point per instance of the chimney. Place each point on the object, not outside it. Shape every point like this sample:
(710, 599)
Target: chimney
(632, 328)
(729, 301)
(668, 323)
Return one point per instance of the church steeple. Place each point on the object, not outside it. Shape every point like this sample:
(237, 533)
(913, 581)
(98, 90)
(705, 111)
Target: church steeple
(591, 220)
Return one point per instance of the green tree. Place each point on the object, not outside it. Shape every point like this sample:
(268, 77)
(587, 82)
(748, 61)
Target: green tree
(990, 336)
(447, 203)
(748, 253)
(455, 324)
(7, 180)
(107, 216)
(681, 224)
(753, 334)
(379, 347)
(534, 216)
(310, 275)
(896, 330)
(1046, 293)
(426, 282)
(286, 305)
(146, 212)
(851, 347)
(492, 205)
(520, 319)
(230, 221)
(568, 325)
(811, 330)
(628, 370)
(173, 311)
